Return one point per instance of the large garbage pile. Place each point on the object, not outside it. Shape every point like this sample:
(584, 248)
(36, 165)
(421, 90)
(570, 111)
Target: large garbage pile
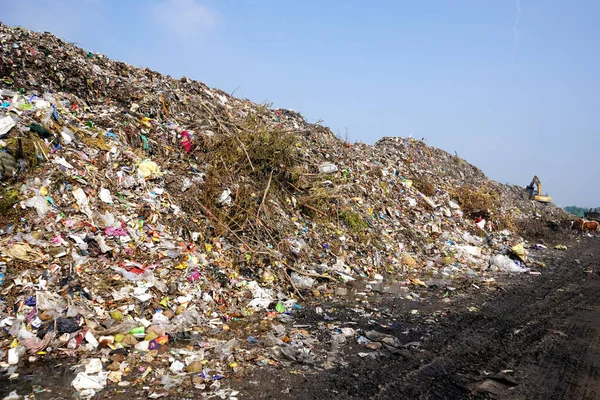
(138, 210)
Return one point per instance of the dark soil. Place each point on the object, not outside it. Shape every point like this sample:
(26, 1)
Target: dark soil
(536, 339)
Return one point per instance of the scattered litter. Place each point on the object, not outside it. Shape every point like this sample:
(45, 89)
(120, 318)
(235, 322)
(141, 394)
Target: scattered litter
(166, 234)
(502, 263)
(6, 124)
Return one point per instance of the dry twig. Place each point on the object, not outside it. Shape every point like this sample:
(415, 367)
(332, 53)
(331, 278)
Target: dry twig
(311, 274)
(264, 194)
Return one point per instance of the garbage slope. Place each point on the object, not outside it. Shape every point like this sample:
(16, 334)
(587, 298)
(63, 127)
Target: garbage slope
(133, 200)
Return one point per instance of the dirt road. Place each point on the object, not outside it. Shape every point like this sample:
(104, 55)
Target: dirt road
(537, 339)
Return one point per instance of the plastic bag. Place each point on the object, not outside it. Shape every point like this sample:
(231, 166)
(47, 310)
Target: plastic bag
(226, 349)
(501, 263)
(84, 381)
(105, 196)
(82, 202)
(6, 124)
(302, 282)
(225, 198)
(148, 169)
(23, 252)
(39, 203)
(66, 136)
(105, 220)
(328, 168)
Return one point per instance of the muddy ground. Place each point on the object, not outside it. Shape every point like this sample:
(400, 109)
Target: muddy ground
(534, 337)
(527, 337)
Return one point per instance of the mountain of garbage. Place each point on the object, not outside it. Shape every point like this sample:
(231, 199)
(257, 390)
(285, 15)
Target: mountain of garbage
(137, 209)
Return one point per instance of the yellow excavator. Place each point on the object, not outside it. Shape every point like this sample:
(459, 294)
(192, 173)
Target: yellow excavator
(537, 194)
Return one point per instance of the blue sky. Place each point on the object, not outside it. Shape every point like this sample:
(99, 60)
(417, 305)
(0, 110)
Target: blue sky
(511, 86)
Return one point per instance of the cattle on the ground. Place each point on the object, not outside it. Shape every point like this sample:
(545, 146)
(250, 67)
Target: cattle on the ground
(585, 226)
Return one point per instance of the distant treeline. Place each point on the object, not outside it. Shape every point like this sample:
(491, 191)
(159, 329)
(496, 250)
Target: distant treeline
(579, 211)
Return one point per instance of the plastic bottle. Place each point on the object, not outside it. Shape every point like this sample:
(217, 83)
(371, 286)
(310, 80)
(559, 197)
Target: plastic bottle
(2, 273)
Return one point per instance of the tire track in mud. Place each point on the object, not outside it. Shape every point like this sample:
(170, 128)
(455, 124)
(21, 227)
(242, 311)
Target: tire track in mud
(541, 331)
(545, 332)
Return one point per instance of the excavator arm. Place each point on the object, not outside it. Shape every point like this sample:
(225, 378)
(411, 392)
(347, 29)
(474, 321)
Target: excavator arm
(537, 183)
(531, 189)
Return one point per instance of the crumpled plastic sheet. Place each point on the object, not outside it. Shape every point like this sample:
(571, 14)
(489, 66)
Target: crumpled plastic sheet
(23, 252)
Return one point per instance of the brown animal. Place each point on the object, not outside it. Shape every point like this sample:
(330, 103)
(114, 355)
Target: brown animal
(591, 226)
(585, 226)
